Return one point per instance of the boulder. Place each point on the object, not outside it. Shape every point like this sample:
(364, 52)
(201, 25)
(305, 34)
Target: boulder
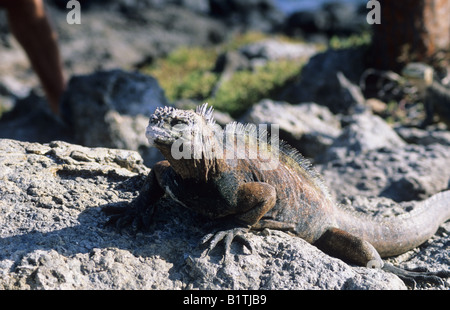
(104, 109)
(363, 132)
(330, 79)
(32, 120)
(273, 49)
(308, 127)
(423, 137)
(369, 158)
(402, 173)
(111, 109)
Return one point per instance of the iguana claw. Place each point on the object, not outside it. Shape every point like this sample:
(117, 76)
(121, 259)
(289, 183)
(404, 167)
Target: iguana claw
(411, 276)
(227, 236)
(126, 217)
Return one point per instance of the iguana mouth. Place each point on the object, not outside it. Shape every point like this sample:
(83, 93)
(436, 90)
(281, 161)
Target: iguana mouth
(157, 135)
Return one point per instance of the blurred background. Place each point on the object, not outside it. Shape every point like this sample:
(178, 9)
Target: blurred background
(127, 57)
(129, 34)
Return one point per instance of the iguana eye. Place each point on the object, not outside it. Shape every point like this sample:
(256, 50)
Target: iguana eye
(175, 121)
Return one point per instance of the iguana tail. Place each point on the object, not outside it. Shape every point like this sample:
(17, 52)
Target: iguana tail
(397, 234)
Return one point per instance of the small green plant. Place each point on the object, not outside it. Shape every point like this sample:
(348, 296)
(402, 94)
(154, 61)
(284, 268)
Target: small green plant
(243, 39)
(196, 85)
(186, 73)
(246, 88)
(354, 40)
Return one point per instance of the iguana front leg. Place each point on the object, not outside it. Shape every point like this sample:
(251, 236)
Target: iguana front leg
(254, 199)
(140, 213)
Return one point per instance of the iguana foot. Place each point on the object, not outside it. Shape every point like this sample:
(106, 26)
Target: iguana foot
(227, 236)
(126, 217)
(138, 215)
(410, 277)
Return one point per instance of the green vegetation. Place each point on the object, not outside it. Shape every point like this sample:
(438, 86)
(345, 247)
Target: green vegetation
(244, 39)
(186, 73)
(246, 88)
(354, 40)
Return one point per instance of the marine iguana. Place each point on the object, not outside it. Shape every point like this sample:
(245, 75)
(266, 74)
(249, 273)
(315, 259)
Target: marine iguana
(252, 183)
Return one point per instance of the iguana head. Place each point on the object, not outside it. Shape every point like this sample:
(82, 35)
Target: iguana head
(168, 124)
(187, 139)
(198, 148)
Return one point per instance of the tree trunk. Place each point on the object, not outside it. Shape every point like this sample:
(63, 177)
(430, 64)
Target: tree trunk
(410, 30)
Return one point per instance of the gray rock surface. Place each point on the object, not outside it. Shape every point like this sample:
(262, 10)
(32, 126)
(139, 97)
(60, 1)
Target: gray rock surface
(32, 120)
(423, 137)
(52, 234)
(129, 34)
(309, 127)
(363, 132)
(111, 109)
(272, 49)
(102, 109)
(411, 172)
(329, 79)
(369, 158)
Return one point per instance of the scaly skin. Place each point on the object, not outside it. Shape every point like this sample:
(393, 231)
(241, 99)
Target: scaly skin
(274, 189)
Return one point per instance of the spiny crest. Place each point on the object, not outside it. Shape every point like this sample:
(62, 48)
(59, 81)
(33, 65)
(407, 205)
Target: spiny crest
(239, 129)
(304, 164)
(164, 114)
(206, 112)
(290, 155)
(161, 113)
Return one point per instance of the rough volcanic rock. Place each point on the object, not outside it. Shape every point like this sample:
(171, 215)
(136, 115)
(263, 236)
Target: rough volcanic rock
(405, 173)
(102, 109)
(363, 132)
(309, 127)
(330, 79)
(52, 234)
(111, 108)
